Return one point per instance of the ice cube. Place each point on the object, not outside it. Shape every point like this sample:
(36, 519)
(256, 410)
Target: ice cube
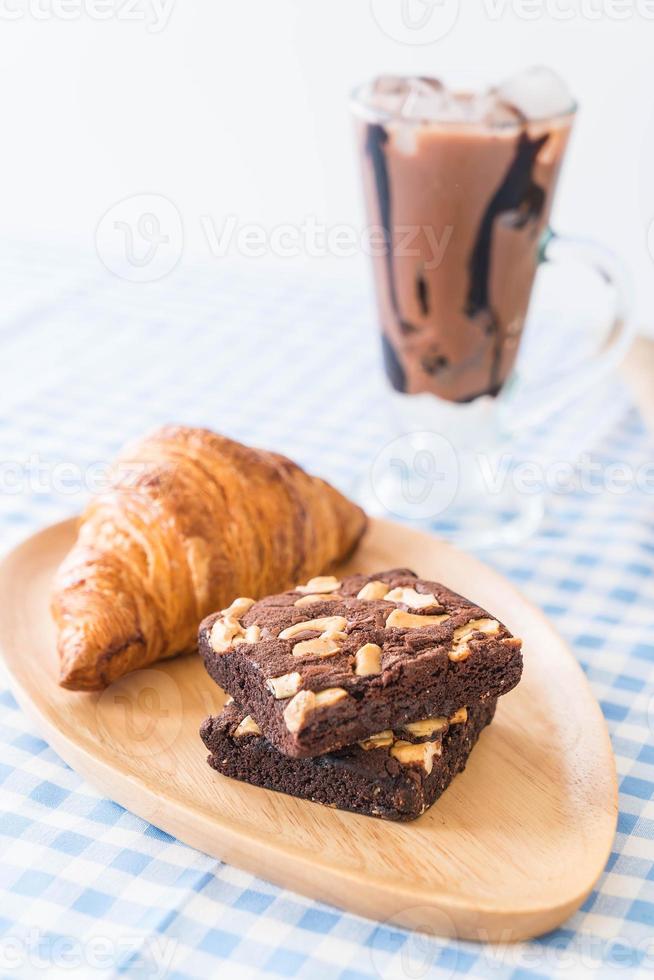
(538, 93)
(431, 101)
(388, 93)
(412, 98)
(493, 110)
(390, 85)
(426, 99)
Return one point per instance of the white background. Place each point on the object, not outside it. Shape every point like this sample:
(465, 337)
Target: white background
(240, 108)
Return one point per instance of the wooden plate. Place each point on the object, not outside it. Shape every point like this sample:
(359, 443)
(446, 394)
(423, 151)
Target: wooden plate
(511, 849)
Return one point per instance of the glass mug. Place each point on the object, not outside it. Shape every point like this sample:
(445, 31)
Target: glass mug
(460, 188)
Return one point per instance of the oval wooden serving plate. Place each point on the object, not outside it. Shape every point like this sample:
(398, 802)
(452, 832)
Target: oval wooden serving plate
(510, 850)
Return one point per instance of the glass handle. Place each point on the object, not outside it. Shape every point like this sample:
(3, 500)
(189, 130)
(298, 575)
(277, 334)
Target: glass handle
(612, 346)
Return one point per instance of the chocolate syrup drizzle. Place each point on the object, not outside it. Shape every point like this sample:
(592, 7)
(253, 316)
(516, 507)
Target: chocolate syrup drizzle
(376, 140)
(422, 292)
(394, 370)
(518, 196)
(522, 199)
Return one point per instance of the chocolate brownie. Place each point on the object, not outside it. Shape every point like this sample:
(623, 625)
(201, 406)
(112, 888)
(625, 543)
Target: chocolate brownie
(326, 664)
(393, 775)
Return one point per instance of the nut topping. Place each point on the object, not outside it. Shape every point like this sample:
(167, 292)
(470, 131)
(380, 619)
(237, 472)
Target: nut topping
(379, 741)
(223, 632)
(322, 646)
(308, 600)
(331, 695)
(323, 583)
(247, 727)
(300, 707)
(462, 634)
(423, 753)
(367, 660)
(238, 608)
(251, 635)
(406, 620)
(411, 598)
(426, 726)
(373, 590)
(227, 631)
(285, 686)
(326, 624)
(459, 717)
(298, 710)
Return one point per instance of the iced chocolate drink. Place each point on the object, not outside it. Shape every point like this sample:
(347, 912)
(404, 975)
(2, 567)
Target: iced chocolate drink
(461, 186)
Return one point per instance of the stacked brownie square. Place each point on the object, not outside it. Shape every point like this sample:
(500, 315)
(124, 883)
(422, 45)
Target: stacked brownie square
(366, 693)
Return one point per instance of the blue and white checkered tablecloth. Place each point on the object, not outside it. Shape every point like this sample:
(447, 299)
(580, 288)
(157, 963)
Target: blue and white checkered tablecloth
(284, 359)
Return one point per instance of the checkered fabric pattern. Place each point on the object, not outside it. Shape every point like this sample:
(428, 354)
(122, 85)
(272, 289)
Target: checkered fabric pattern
(287, 359)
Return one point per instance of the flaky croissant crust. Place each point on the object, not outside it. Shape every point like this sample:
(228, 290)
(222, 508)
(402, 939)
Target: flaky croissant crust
(193, 520)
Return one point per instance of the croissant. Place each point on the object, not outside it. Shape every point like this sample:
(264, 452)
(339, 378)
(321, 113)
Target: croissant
(191, 521)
